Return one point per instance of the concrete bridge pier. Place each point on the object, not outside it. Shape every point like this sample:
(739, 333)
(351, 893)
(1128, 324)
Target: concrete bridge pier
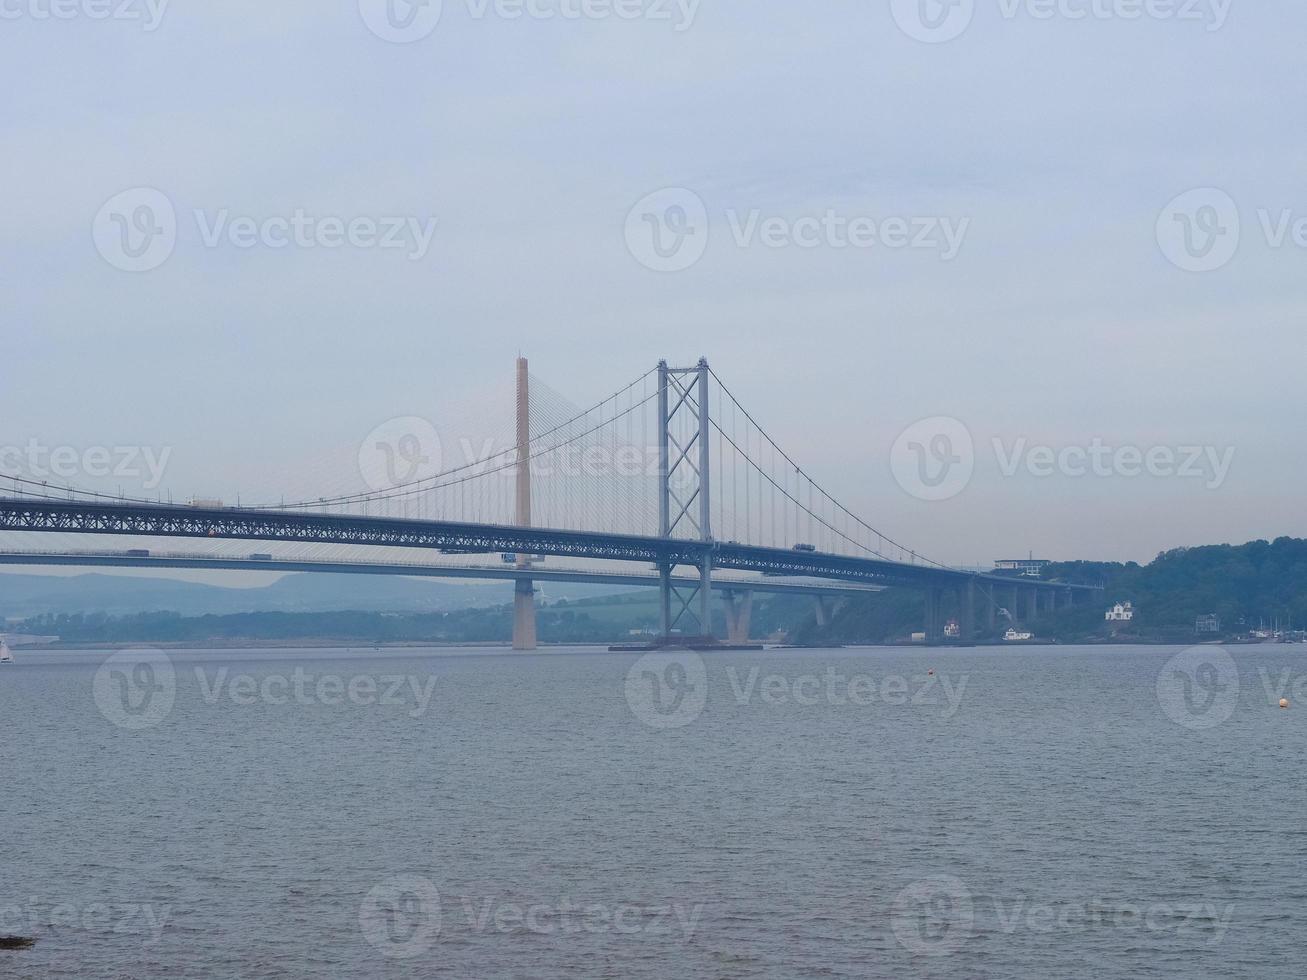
(739, 610)
(524, 616)
(823, 610)
(524, 602)
(968, 617)
(934, 614)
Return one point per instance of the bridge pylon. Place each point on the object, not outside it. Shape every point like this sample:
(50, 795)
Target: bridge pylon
(524, 599)
(684, 492)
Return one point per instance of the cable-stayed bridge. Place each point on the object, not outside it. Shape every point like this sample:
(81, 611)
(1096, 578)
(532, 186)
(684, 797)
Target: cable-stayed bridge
(670, 474)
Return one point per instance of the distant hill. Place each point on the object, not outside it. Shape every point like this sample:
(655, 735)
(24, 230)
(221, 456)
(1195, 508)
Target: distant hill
(23, 596)
(1242, 584)
(1258, 582)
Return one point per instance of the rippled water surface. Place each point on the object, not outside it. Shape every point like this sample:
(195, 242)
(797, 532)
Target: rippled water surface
(1031, 813)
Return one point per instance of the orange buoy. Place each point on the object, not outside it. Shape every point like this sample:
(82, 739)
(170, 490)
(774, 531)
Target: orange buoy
(1284, 702)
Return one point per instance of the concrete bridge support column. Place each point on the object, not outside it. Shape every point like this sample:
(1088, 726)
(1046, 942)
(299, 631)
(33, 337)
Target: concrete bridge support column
(1033, 604)
(968, 616)
(739, 609)
(934, 605)
(524, 604)
(823, 610)
(524, 616)
(665, 600)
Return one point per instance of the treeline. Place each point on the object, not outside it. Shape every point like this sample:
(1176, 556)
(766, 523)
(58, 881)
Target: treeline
(598, 620)
(1245, 585)
(494, 624)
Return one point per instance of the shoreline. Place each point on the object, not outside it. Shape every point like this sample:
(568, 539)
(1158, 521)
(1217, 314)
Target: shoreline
(321, 643)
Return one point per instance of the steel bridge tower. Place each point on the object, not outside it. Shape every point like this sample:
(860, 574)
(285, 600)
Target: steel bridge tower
(683, 487)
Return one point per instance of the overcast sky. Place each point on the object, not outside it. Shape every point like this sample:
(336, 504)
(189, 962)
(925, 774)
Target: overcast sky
(1049, 294)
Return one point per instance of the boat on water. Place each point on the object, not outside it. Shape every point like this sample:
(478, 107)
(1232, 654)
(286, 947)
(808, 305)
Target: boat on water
(6, 655)
(1013, 635)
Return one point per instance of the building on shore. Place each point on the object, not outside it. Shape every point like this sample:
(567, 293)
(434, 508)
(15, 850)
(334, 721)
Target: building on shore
(1028, 567)
(1121, 612)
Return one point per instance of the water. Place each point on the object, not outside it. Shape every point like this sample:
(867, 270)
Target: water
(541, 817)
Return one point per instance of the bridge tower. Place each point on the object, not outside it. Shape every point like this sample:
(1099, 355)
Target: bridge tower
(684, 504)
(524, 604)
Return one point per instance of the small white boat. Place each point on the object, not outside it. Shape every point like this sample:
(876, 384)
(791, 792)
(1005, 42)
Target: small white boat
(6, 657)
(1013, 636)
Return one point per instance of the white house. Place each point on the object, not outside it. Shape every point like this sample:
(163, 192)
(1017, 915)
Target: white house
(1122, 612)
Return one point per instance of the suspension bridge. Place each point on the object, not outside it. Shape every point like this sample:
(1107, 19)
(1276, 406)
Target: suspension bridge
(669, 481)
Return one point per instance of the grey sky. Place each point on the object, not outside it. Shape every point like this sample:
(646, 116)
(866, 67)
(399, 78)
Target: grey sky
(1060, 320)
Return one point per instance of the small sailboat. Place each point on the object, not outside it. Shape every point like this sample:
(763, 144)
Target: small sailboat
(6, 656)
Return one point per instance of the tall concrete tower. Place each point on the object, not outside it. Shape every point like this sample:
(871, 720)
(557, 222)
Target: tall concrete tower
(524, 608)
